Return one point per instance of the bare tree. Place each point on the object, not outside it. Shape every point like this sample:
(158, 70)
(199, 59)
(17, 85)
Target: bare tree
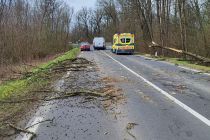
(201, 26)
(32, 30)
(178, 24)
(182, 15)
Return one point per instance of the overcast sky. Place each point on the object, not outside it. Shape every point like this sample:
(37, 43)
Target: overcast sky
(78, 4)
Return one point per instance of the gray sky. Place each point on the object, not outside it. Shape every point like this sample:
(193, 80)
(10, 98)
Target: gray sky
(78, 4)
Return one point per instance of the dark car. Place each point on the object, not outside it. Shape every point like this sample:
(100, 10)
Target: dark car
(85, 46)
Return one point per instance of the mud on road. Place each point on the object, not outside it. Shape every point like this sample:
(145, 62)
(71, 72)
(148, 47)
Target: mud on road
(76, 106)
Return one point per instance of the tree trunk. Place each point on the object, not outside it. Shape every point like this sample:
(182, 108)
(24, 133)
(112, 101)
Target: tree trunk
(182, 23)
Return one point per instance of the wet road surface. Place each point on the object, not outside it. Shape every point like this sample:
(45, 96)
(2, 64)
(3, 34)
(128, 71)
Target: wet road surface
(145, 114)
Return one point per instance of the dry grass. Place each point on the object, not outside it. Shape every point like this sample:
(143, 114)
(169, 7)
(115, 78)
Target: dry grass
(16, 71)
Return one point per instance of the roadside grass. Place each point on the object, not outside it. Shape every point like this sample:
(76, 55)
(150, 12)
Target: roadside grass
(188, 64)
(37, 78)
(180, 62)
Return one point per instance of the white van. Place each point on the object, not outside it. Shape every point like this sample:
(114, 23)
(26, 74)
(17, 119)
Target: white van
(99, 43)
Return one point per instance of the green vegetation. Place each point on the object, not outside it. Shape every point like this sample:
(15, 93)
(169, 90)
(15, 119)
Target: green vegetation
(188, 64)
(39, 77)
(180, 62)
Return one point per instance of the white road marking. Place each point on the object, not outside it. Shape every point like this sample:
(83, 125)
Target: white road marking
(37, 118)
(197, 71)
(193, 70)
(32, 129)
(185, 107)
(183, 67)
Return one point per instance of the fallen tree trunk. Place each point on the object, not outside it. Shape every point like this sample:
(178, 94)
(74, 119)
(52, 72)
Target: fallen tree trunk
(197, 57)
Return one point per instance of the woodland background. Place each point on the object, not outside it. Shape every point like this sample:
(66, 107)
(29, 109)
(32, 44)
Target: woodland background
(33, 30)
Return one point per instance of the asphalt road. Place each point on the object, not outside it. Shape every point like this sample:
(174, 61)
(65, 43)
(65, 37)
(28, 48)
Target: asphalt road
(163, 101)
(160, 117)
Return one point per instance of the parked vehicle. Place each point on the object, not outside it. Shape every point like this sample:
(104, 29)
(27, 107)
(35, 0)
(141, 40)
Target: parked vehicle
(123, 43)
(99, 43)
(85, 46)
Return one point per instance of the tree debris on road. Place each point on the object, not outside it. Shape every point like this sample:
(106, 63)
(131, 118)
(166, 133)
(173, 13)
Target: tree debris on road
(64, 96)
(81, 71)
(129, 127)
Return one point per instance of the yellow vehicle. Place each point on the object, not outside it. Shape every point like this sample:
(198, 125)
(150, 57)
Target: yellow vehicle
(123, 43)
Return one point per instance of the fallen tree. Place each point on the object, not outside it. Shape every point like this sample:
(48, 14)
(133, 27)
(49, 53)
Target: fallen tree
(64, 95)
(195, 56)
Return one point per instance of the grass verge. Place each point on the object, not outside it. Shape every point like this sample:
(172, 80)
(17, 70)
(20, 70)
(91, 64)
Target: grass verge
(188, 64)
(180, 62)
(39, 78)
(36, 79)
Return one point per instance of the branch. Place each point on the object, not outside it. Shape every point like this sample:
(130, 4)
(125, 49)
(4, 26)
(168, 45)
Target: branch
(198, 57)
(66, 95)
(48, 120)
(18, 129)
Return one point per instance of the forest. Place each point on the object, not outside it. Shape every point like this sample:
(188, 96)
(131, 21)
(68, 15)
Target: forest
(181, 24)
(32, 30)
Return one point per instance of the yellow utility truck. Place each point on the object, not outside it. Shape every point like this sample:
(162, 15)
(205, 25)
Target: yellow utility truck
(123, 43)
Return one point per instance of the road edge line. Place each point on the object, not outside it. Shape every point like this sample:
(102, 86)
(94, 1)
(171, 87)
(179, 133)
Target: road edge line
(184, 106)
(172, 64)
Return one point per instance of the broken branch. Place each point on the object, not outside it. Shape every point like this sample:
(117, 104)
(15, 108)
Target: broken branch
(66, 95)
(18, 129)
(198, 57)
(48, 120)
